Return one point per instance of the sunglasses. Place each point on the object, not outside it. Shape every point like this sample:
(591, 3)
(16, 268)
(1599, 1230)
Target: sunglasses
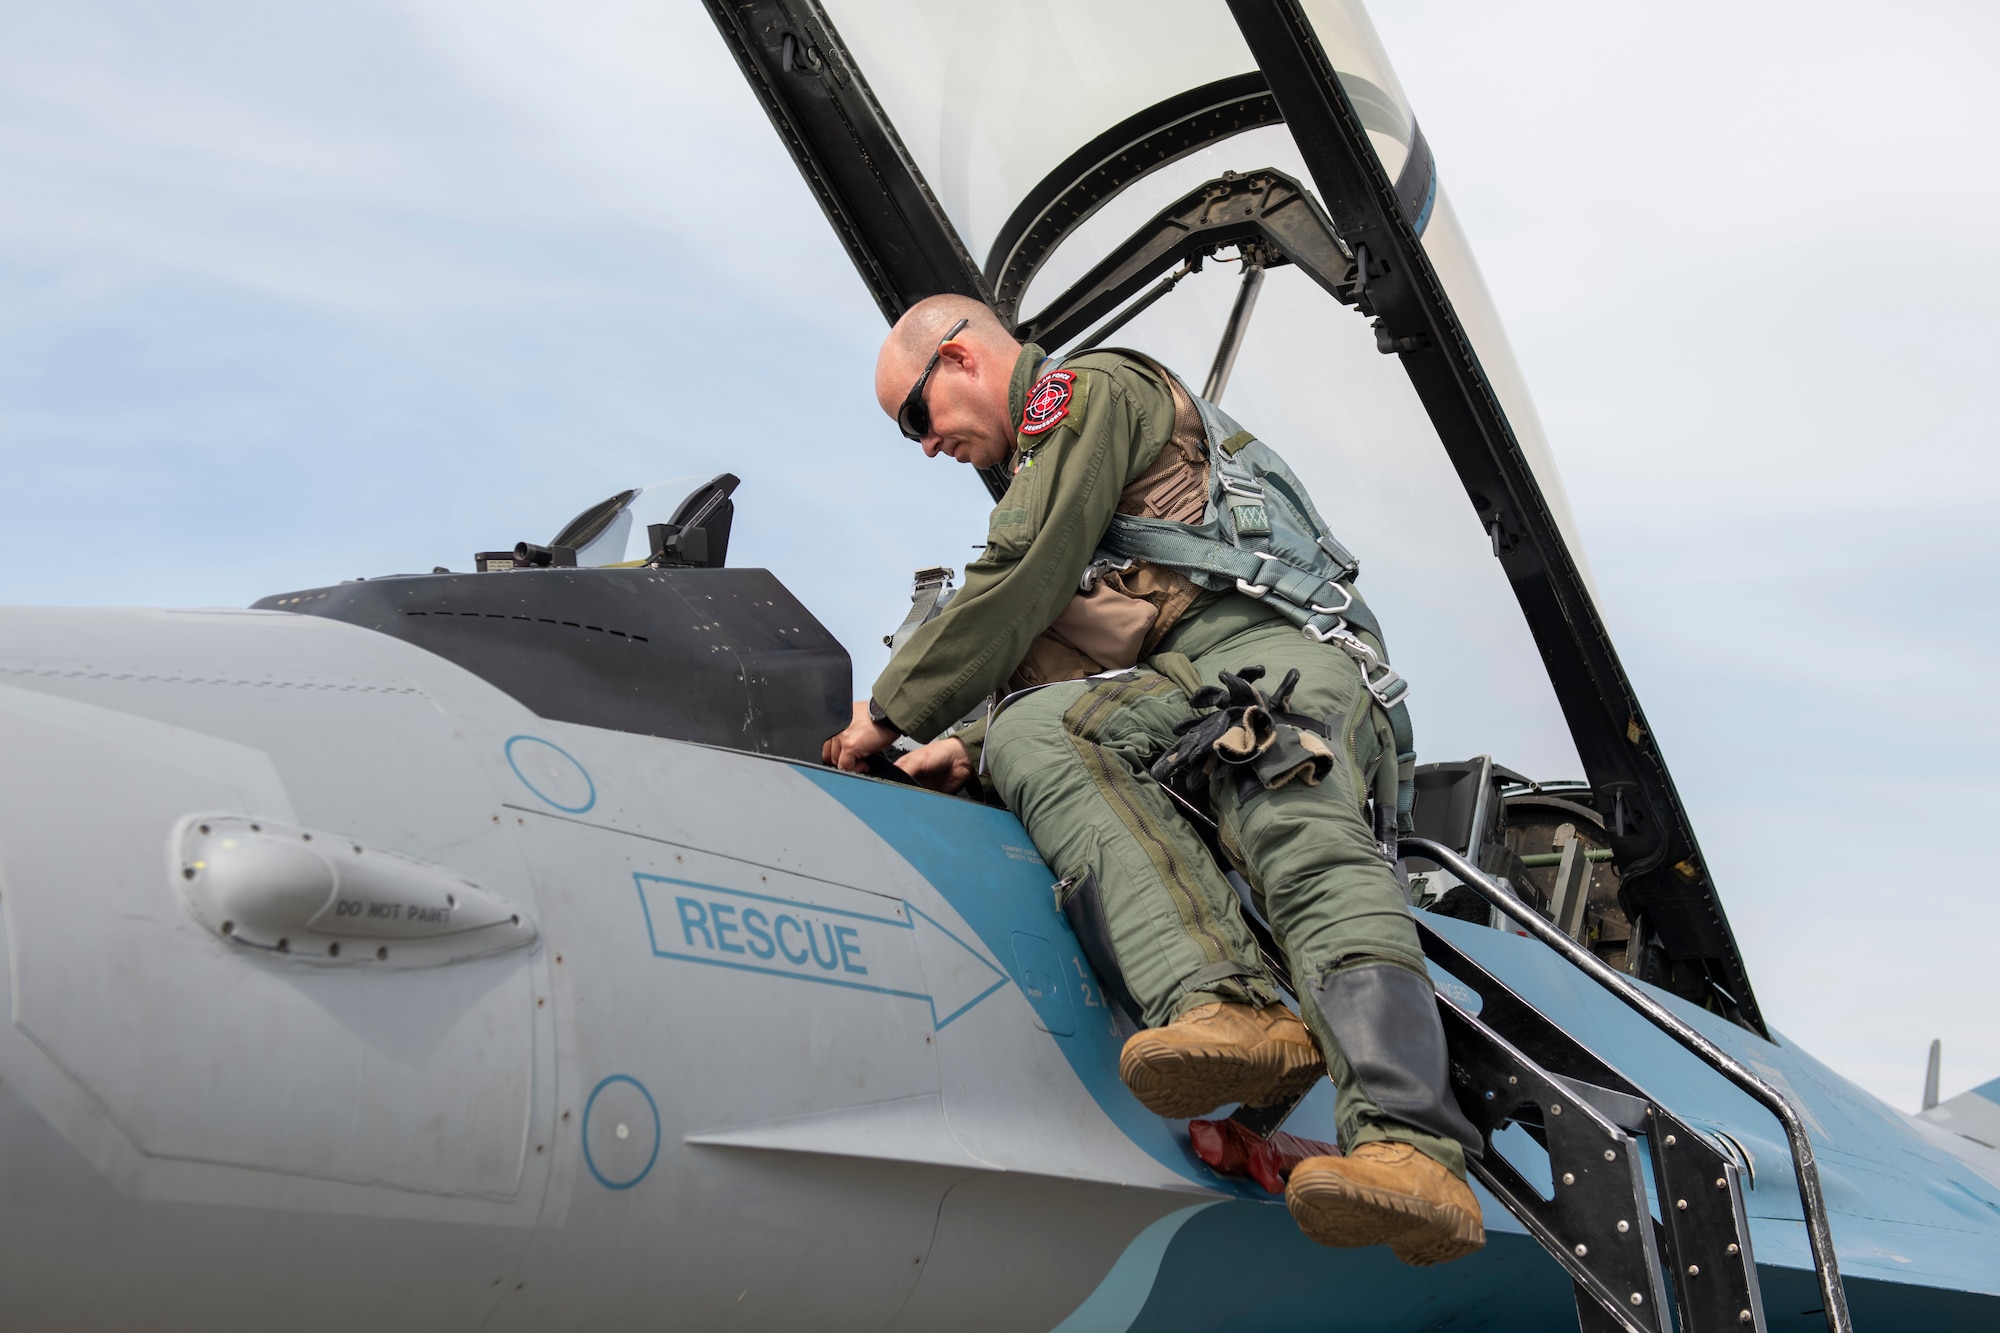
(914, 416)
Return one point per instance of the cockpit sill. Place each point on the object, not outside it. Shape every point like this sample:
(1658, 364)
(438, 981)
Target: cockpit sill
(677, 646)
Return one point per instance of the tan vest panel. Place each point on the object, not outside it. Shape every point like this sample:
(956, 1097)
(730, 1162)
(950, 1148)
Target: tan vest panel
(1118, 622)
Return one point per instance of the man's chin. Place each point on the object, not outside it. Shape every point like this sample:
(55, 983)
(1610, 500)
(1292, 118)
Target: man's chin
(973, 456)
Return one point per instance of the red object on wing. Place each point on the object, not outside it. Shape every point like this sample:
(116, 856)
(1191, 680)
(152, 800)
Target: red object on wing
(1231, 1149)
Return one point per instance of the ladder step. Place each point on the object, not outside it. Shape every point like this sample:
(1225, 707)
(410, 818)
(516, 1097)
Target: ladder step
(1597, 1224)
(1512, 1064)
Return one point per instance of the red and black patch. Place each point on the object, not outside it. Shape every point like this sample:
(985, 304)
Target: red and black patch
(1048, 402)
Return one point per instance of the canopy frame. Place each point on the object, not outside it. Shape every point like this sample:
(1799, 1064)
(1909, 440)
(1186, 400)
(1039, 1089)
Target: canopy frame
(1264, 210)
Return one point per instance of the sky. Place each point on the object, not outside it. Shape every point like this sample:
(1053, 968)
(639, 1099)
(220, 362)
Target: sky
(297, 293)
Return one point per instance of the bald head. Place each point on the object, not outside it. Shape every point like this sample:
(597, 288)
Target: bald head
(917, 334)
(967, 395)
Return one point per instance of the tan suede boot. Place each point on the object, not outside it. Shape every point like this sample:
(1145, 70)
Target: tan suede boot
(1220, 1053)
(1390, 1194)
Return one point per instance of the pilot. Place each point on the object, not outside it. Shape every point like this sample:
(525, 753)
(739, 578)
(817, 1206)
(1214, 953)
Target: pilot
(1123, 680)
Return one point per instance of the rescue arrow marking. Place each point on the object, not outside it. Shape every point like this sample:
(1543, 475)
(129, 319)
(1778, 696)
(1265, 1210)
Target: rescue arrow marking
(695, 922)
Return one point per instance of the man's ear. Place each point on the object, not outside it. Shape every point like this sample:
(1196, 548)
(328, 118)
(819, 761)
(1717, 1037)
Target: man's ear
(965, 356)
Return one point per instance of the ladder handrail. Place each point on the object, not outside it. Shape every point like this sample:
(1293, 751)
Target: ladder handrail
(1818, 1229)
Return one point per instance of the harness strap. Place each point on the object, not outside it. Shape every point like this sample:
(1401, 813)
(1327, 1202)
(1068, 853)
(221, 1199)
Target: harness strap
(1406, 767)
(1255, 574)
(924, 608)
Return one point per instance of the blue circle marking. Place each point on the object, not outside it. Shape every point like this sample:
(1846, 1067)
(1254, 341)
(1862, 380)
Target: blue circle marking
(590, 1162)
(547, 752)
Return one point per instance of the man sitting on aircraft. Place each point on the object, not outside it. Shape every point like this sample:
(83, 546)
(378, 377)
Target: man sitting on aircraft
(1112, 611)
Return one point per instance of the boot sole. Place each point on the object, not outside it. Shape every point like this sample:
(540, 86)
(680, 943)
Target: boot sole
(1340, 1213)
(1184, 1081)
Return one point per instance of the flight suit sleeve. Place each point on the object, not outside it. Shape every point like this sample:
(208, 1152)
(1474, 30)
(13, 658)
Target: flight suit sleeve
(1039, 540)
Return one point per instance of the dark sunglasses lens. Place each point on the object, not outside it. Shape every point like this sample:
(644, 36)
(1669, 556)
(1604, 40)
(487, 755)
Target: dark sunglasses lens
(914, 416)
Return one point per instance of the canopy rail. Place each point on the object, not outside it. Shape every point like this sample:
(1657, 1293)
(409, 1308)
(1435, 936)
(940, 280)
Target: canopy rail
(1099, 171)
(1141, 144)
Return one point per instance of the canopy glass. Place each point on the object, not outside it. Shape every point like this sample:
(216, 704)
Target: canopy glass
(991, 99)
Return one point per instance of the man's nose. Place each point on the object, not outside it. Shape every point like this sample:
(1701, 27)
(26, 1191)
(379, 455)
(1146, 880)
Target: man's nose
(933, 445)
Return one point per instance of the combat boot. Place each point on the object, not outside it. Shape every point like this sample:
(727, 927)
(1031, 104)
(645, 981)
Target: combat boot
(1390, 1194)
(1221, 1053)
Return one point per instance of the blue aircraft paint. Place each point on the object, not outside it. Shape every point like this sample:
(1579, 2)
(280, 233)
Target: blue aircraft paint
(1274, 1280)
(961, 847)
(693, 922)
(591, 1105)
(1990, 1091)
(944, 1020)
(1906, 1214)
(1114, 1307)
(1917, 1229)
(534, 747)
(1281, 1282)
(1042, 982)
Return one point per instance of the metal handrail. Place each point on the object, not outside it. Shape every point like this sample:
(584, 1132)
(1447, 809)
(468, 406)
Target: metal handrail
(1818, 1230)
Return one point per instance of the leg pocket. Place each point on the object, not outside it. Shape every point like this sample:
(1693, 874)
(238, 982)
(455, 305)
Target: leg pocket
(1083, 908)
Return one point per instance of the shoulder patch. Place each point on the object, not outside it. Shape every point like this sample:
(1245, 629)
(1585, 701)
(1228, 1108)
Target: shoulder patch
(1048, 402)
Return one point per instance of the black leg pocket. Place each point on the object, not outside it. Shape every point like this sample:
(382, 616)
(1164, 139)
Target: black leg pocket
(1083, 906)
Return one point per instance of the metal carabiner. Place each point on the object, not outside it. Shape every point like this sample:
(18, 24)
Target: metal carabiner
(1344, 638)
(1094, 573)
(1337, 633)
(1385, 685)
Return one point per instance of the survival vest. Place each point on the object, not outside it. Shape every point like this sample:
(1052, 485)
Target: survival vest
(1260, 535)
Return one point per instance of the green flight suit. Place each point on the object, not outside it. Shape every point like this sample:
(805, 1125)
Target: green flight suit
(1071, 759)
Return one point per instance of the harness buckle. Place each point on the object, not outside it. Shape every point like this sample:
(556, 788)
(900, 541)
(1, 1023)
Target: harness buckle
(1346, 600)
(1389, 688)
(1258, 590)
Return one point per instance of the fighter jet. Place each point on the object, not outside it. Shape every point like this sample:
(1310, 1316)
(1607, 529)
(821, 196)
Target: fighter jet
(491, 951)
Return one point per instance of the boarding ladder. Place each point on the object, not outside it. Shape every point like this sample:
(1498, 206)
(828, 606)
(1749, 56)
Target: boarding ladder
(1512, 1064)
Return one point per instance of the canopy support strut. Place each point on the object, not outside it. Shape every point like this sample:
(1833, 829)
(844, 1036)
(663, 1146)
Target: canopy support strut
(1238, 325)
(1138, 307)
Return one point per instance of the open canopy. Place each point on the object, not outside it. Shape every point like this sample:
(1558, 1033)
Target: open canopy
(1133, 170)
